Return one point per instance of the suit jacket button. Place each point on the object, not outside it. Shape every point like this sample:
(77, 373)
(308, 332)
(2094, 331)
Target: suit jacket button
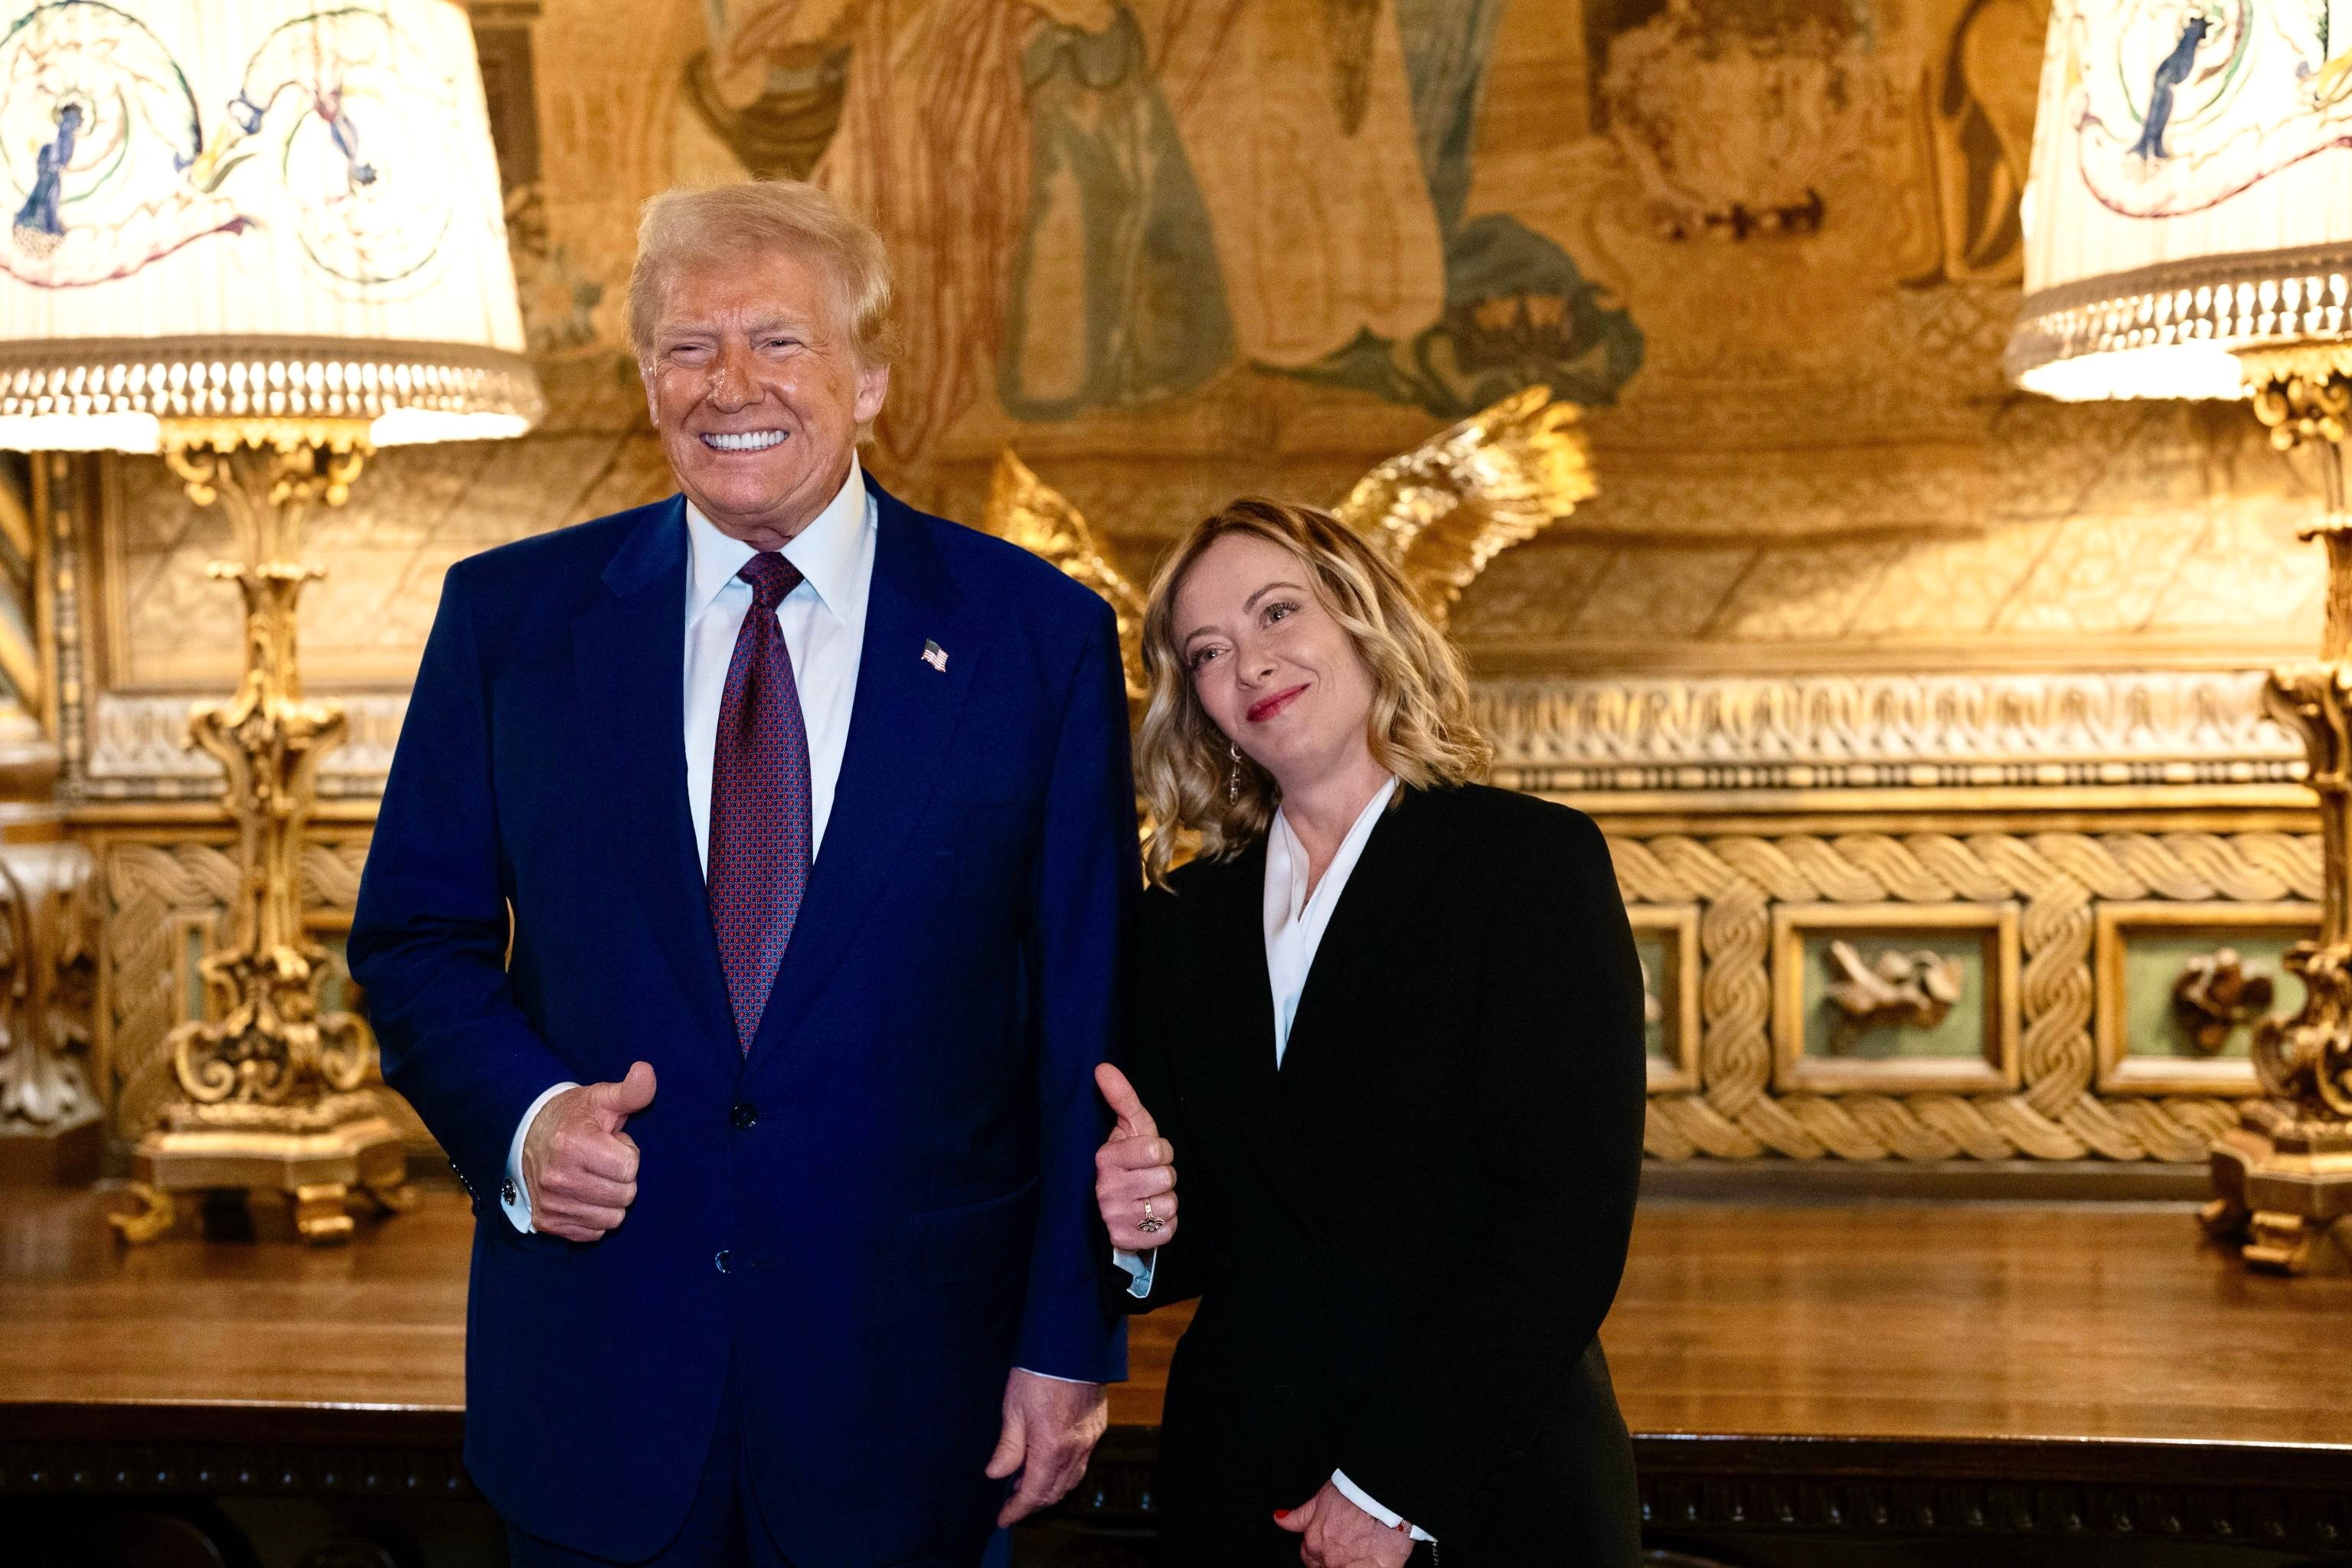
(744, 1114)
(720, 1260)
(507, 1192)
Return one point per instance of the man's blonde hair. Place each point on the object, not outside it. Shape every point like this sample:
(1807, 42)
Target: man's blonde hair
(1419, 728)
(679, 229)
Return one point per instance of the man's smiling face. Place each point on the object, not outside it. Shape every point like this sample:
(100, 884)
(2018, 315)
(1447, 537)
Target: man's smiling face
(757, 391)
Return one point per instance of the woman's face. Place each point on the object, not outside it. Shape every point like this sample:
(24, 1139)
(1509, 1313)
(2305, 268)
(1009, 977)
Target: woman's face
(1273, 669)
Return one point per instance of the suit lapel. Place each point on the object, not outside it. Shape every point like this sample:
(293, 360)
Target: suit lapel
(1239, 1037)
(1368, 933)
(899, 725)
(629, 657)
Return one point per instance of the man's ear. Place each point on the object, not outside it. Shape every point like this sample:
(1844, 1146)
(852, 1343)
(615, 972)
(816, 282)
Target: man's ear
(653, 404)
(873, 388)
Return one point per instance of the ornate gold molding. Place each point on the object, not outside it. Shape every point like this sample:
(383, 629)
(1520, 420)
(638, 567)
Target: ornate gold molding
(138, 749)
(1972, 731)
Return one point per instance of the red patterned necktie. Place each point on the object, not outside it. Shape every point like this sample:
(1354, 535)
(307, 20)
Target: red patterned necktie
(758, 801)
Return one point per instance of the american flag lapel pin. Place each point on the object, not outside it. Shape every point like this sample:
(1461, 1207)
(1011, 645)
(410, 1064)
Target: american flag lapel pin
(935, 656)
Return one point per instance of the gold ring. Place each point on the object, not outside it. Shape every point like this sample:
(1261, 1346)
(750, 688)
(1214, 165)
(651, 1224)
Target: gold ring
(1151, 1222)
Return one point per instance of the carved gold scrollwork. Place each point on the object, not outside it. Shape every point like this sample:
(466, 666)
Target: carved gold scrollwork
(47, 982)
(267, 1043)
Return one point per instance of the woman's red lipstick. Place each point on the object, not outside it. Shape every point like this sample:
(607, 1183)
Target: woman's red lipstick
(1266, 708)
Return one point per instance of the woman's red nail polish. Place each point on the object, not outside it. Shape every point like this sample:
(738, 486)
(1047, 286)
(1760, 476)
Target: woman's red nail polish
(1282, 1513)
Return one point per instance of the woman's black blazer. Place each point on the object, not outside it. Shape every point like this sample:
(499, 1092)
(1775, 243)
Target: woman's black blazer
(1405, 1239)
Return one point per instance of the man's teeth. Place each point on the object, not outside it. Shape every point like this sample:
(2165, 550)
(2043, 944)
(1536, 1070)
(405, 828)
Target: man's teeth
(748, 441)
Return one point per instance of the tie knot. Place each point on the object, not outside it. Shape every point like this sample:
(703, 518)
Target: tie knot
(771, 577)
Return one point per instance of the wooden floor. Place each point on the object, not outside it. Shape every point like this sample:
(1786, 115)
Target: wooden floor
(1816, 1367)
(1878, 1320)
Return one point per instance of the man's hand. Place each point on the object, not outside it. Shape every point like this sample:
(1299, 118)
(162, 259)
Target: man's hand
(581, 1168)
(1339, 1534)
(1134, 1166)
(1050, 1431)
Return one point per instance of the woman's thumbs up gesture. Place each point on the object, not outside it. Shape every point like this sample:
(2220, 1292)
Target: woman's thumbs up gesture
(1135, 1171)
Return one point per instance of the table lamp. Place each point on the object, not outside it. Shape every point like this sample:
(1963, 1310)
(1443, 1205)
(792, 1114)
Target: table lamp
(262, 239)
(2188, 233)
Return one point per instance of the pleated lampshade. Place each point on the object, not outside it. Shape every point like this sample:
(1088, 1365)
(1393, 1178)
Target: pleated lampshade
(241, 209)
(2191, 194)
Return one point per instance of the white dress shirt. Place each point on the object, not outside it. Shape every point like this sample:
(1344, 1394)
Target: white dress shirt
(1295, 918)
(823, 623)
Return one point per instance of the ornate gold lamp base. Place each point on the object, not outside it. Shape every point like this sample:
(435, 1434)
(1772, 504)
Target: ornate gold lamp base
(2284, 1186)
(2282, 1177)
(334, 1151)
(273, 1086)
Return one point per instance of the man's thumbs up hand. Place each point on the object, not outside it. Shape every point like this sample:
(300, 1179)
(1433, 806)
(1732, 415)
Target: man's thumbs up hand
(581, 1167)
(1135, 1170)
(614, 1103)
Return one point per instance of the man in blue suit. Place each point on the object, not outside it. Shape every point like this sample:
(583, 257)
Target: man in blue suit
(747, 911)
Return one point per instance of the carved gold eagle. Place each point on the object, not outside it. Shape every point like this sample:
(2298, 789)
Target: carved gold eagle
(1438, 513)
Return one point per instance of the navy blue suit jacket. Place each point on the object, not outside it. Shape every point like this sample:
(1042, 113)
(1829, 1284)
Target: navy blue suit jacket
(888, 1201)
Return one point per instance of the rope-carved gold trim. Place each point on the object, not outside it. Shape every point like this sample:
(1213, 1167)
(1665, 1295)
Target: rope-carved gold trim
(2057, 876)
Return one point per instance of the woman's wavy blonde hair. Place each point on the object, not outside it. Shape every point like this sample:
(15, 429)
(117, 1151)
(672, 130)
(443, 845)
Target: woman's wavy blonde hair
(1419, 728)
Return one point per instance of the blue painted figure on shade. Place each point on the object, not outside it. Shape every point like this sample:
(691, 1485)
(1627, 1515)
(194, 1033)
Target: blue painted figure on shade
(330, 104)
(2169, 74)
(38, 221)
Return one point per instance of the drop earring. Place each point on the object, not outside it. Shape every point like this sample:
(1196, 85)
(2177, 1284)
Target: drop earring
(1233, 779)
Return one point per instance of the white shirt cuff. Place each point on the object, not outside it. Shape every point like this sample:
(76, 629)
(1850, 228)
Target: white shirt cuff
(1362, 1499)
(1140, 1266)
(514, 1197)
(1049, 1377)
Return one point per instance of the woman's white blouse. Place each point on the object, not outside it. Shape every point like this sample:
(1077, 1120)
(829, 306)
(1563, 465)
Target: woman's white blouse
(1295, 918)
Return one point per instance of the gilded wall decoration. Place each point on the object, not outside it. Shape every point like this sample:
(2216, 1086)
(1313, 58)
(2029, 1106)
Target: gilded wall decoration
(2181, 987)
(2058, 880)
(1887, 999)
(1665, 940)
(23, 678)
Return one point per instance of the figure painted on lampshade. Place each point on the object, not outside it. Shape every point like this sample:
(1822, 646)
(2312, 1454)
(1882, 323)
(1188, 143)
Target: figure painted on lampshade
(98, 136)
(326, 100)
(2182, 109)
(38, 225)
(366, 219)
(2170, 73)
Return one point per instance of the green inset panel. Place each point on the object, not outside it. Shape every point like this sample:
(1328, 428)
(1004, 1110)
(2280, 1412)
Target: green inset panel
(2155, 959)
(1961, 1033)
(336, 990)
(1658, 950)
(193, 937)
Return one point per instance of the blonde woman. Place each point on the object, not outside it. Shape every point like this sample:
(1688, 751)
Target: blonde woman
(1390, 1034)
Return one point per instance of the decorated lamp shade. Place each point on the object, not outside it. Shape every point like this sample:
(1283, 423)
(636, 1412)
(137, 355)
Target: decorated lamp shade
(241, 209)
(2191, 194)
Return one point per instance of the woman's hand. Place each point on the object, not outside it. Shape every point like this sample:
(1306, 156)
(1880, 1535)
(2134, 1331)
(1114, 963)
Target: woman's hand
(1135, 1172)
(1336, 1534)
